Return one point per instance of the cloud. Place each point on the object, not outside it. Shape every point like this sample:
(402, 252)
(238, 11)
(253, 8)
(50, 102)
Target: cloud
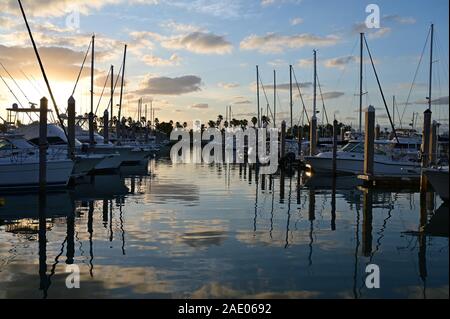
(398, 19)
(201, 106)
(332, 95)
(276, 43)
(285, 86)
(228, 85)
(443, 100)
(153, 60)
(60, 63)
(296, 21)
(170, 86)
(176, 27)
(243, 102)
(277, 63)
(267, 3)
(58, 8)
(197, 42)
(303, 63)
(340, 62)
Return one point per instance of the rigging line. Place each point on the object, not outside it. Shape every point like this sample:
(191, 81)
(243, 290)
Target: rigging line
(37, 84)
(43, 71)
(32, 84)
(301, 96)
(323, 100)
(82, 66)
(17, 100)
(415, 76)
(15, 82)
(381, 91)
(103, 91)
(344, 70)
(264, 90)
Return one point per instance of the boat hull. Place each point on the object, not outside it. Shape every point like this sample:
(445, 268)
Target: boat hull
(324, 165)
(439, 180)
(26, 175)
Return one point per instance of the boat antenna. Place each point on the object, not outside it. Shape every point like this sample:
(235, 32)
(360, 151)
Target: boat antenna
(381, 91)
(61, 122)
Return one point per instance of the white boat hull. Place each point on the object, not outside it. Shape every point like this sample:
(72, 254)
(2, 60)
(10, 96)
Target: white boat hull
(26, 175)
(324, 165)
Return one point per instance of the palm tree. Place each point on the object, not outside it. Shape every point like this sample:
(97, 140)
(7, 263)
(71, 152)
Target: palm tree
(185, 124)
(265, 121)
(254, 121)
(212, 124)
(219, 120)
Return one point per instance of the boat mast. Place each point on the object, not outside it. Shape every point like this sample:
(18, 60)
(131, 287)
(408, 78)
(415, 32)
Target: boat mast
(257, 95)
(431, 67)
(121, 91)
(274, 99)
(315, 85)
(290, 96)
(91, 114)
(112, 96)
(361, 62)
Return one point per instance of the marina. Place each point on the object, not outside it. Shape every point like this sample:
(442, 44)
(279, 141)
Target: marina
(283, 198)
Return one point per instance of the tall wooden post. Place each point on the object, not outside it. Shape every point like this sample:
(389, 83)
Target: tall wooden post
(335, 132)
(313, 136)
(71, 126)
(369, 143)
(106, 127)
(426, 138)
(377, 132)
(43, 144)
(283, 139)
(433, 143)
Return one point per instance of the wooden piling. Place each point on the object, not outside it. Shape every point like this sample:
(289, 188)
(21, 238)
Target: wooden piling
(71, 127)
(426, 138)
(369, 143)
(106, 127)
(377, 132)
(335, 128)
(425, 148)
(299, 142)
(43, 144)
(313, 136)
(433, 143)
(283, 139)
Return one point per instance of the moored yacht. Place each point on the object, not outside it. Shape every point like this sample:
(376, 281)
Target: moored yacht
(19, 166)
(350, 160)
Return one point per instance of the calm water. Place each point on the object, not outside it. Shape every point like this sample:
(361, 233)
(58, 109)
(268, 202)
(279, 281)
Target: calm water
(191, 231)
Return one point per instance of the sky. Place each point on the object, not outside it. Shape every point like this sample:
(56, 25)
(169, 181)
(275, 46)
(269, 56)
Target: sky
(192, 59)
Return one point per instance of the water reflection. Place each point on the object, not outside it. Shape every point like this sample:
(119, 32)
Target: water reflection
(215, 231)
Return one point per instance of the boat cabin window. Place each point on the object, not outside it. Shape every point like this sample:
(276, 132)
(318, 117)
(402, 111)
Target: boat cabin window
(52, 140)
(6, 145)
